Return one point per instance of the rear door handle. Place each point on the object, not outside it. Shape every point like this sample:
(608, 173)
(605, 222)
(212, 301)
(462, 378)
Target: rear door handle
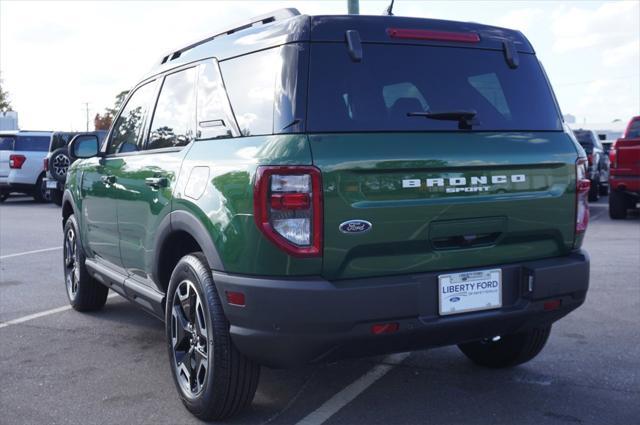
(156, 182)
(108, 180)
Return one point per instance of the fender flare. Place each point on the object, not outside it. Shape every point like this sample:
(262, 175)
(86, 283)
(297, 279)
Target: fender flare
(180, 220)
(68, 197)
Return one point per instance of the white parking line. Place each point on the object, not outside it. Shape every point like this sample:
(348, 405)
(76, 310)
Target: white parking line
(29, 252)
(353, 390)
(40, 314)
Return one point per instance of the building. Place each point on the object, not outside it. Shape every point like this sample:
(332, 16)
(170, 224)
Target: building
(9, 120)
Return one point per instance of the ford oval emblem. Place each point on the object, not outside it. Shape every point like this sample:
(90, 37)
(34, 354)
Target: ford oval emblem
(454, 299)
(355, 226)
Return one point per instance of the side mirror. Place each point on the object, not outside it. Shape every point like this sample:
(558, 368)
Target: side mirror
(84, 146)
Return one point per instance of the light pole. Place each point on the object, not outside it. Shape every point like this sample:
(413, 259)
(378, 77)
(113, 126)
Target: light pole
(353, 7)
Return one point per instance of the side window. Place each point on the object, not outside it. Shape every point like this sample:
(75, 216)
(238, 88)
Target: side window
(215, 119)
(250, 82)
(126, 133)
(174, 116)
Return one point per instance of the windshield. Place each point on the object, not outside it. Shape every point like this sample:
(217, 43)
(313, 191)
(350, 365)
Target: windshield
(6, 143)
(392, 81)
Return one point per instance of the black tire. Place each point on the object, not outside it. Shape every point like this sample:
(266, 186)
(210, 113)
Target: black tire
(594, 191)
(59, 162)
(617, 205)
(604, 189)
(84, 292)
(56, 196)
(229, 380)
(40, 191)
(509, 350)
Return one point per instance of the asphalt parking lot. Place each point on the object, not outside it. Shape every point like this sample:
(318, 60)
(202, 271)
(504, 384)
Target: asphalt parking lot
(111, 366)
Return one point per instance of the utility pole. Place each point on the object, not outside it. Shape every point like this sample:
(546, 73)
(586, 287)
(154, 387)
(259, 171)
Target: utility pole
(354, 7)
(86, 107)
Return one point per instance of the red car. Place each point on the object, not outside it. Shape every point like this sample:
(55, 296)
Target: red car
(624, 176)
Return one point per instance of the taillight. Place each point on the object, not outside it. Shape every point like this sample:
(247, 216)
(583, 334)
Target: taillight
(582, 196)
(45, 163)
(415, 34)
(288, 208)
(613, 157)
(16, 161)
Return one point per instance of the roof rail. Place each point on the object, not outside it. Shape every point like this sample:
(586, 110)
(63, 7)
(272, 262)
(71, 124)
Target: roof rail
(267, 18)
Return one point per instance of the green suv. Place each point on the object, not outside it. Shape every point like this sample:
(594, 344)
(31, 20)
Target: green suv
(301, 189)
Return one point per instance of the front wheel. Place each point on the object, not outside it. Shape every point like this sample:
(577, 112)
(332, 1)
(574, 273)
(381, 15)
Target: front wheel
(507, 350)
(213, 378)
(84, 292)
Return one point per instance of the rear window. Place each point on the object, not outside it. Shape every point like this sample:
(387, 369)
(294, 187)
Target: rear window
(634, 130)
(394, 80)
(586, 139)
(6, 143)
(32, 143)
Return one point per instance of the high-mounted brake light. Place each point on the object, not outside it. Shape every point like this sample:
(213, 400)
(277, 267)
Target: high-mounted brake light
(16, 161)
(288, 208)
(461, 37)
(582, 196)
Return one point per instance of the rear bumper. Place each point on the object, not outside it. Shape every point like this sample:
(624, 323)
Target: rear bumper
(627, 183)
(7, 186)
(289, 322)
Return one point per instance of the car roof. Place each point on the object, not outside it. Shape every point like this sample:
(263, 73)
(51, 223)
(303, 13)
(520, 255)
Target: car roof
(288, 26)
(25, 133)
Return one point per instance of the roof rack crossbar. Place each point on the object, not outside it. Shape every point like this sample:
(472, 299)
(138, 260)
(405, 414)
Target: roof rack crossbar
(267, 18)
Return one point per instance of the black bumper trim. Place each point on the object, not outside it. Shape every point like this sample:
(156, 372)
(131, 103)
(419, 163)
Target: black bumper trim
(288, 322)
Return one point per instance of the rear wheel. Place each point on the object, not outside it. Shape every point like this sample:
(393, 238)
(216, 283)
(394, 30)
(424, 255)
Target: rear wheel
(508, 350)
(40, 192)
(594, 191)
(617, 205)
(213, 378)
(84, 292)
(56, 196)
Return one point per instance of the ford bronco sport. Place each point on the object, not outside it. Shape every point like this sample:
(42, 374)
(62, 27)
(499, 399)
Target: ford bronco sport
(305, 188)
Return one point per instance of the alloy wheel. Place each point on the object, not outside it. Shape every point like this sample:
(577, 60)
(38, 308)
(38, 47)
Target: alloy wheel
(60, 164)
(71, 269)
(189, 339)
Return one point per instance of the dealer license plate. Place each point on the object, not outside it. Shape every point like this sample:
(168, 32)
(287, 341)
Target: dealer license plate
(470, 291)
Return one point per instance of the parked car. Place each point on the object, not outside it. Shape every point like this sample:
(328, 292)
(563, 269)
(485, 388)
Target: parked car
(300, 189)
(57, 162)
(21, 155)
(625, 171)
(598, 170)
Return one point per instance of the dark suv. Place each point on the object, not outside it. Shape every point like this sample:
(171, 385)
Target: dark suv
(305, 188)
(598, 169)
(57, 162)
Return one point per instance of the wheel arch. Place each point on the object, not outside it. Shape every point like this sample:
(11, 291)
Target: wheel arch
(178, 234)
(68, 206)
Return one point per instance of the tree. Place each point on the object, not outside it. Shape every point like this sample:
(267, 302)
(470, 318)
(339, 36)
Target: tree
(5, 104)
(104, 121)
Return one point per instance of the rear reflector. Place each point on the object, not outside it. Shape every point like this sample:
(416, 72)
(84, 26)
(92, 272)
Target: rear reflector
(384, 328)
(235, 298)
(552, 305)
(461, 37)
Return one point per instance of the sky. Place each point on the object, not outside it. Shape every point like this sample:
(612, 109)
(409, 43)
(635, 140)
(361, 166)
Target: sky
(55, 56)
